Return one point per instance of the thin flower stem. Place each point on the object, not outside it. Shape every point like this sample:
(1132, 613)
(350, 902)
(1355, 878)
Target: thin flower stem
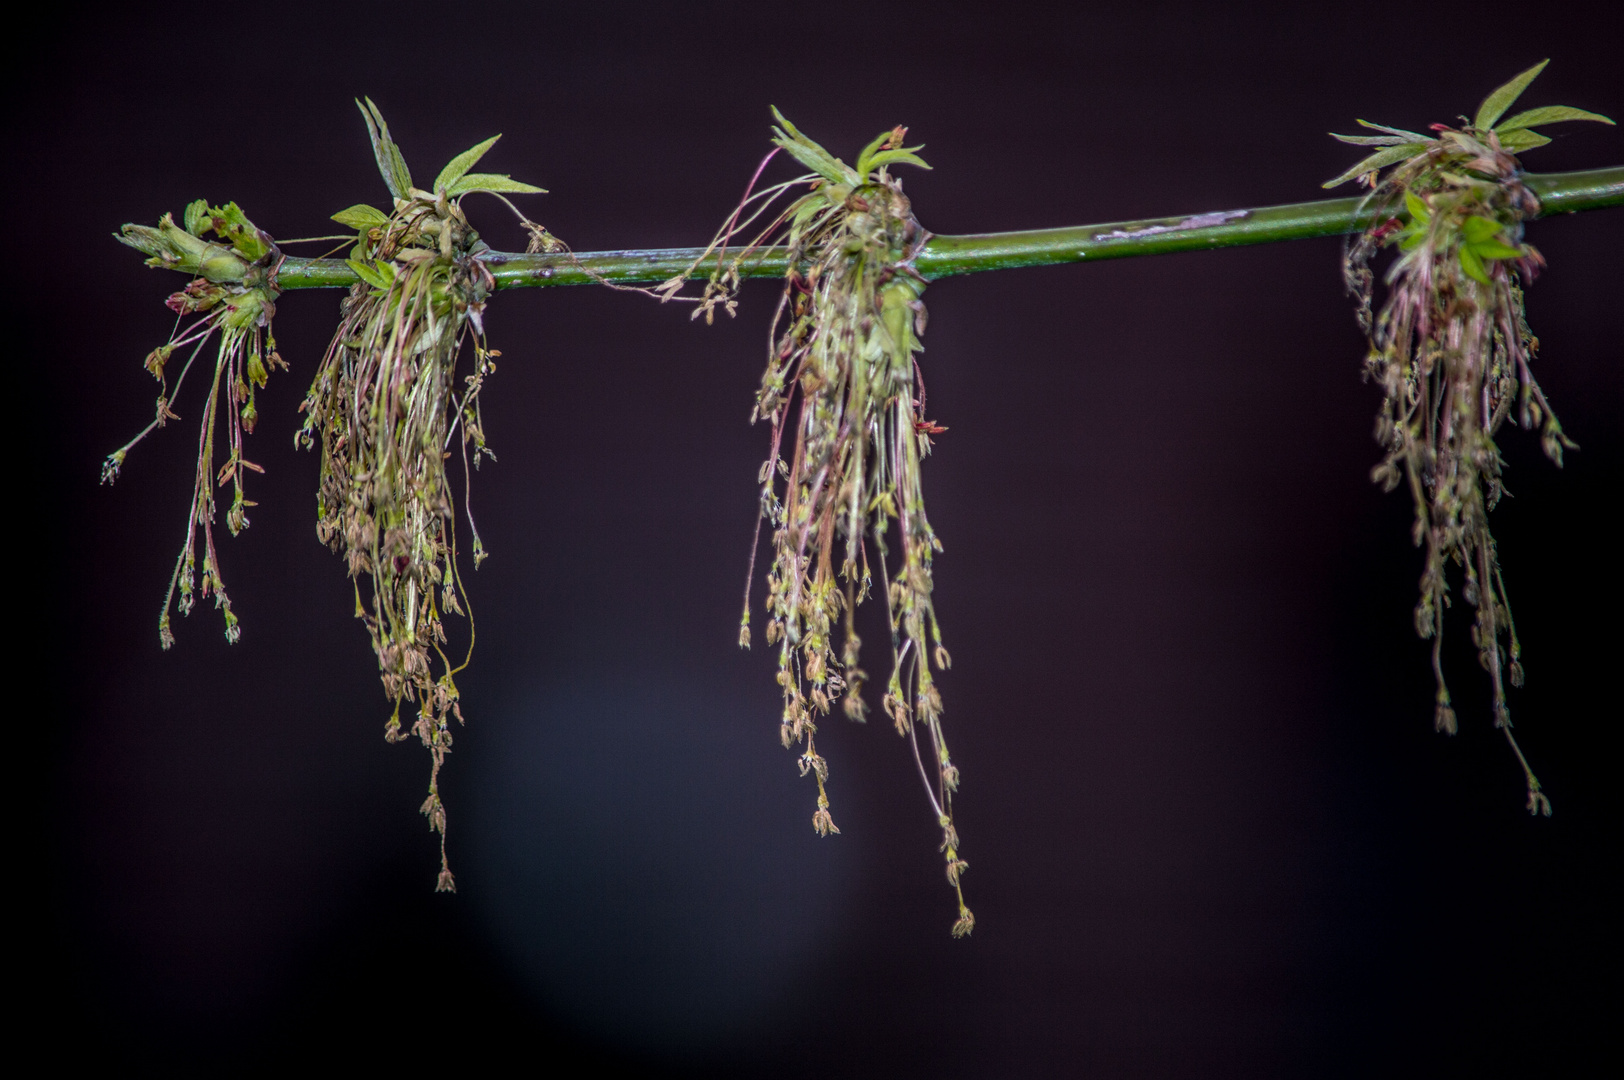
(945, 256)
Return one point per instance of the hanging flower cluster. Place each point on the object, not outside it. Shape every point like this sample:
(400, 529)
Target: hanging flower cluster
(1451, 350)
(234, 295)
(1450, 347)
(844, 340)
(386, 406)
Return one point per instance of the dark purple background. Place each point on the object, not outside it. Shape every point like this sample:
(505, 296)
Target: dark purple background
(1211, 828)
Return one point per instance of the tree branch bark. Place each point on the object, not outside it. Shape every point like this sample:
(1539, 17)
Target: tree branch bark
(945, 256)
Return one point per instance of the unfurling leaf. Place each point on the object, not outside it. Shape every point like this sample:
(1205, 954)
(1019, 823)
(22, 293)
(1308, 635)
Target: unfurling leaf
(1380, 160)
(460, 164)
(1479, 229)
(811, 154)
(1547, 114)
(1495, 105)
(1418, 209)
(1372, 140)
(1496, 249)
(492, 182)
(1473, 266)
(367, 273)
(1517, 140)
(391, 165)
(819, 161)
(361, 216)
(1409, 136)
(232, 225)
(197, 217)
(864, 160)
(891, 157)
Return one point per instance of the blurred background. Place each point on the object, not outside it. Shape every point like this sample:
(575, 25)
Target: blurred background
(1211, 829)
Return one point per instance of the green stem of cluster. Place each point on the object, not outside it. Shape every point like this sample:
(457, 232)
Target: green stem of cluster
(944, 256)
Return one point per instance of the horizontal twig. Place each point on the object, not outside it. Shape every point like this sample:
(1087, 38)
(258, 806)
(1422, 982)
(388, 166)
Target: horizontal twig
(944, 256)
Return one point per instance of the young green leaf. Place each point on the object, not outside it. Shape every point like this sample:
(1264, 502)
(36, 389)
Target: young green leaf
(391, 165)
(1495, 105)
(1410, 135)
(361, 216)
(1495, 249)
(1519, 139)
(1479, 229)
(1473, 266)
(816, 158)
(1370, 140)
(367, 273)
(864, 164)
(242, 233)
(790, 130)
(1418, 209)
(1380, 160)
(810, 154)
(1548, 114)
(891, 157)
(460, 164)
(491, 182)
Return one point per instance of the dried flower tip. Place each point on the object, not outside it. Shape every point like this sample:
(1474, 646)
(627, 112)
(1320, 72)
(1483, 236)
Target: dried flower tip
(823, 823)
(812, 762)
(965, 923)
(1444, 719)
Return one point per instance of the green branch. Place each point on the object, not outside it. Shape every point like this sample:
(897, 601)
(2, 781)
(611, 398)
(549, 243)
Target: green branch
(944, 256)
